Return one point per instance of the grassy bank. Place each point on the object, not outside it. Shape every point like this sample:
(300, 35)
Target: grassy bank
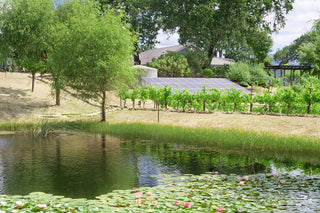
(220, 138)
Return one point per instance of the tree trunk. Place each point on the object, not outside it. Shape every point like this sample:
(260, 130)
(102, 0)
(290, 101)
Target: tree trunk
(57, 86)
(211, 53)
(251, 104)
(136, 58)
(33, 78)
(234, 107)
(158, 112)
(309, 104)
(103, 107)
(204, 106)
(58, 96)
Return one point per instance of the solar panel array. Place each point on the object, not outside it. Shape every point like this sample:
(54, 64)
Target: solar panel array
(192, 84)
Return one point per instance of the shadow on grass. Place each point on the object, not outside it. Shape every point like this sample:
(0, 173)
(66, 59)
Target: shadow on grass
(16, 102)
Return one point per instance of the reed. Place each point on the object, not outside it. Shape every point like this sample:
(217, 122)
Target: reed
(220, 138)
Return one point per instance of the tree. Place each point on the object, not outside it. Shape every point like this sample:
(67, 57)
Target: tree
(212, 24)
(96, 50)
(290, 53)
(63, 15)
(310, 52)
(25, 27)
(253, 49)
(143, 20)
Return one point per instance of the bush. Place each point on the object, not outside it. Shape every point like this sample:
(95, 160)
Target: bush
(207, 72)
(221, 72)
(246, 74)
(171, 65)
(240, 73)
(258, 75)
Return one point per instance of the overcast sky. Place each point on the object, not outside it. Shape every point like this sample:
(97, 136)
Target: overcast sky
(299, 21)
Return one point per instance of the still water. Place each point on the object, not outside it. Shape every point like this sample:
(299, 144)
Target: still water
(91, 165)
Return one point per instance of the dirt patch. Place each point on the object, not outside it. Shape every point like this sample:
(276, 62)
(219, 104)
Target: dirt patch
(18, 104)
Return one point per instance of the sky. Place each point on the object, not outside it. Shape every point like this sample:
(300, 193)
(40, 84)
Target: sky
(299, 21)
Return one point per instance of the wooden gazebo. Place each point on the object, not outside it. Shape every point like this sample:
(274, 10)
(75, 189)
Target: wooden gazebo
(291, 68)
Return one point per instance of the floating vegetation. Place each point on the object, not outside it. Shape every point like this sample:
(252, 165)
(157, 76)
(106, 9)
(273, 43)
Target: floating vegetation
(189, 193)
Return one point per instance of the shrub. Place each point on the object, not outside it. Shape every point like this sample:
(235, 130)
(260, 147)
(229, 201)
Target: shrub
(246, 74)
(240, 72)
(172, 65)
(207, 72)
(258, 75)
(221, 72)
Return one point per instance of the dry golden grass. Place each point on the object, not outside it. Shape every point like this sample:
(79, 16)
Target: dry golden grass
(19, 104)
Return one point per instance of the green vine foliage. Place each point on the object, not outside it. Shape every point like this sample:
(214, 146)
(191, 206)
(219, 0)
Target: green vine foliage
(165, 93)
(288, 99)
(143, 95)
(298, 99)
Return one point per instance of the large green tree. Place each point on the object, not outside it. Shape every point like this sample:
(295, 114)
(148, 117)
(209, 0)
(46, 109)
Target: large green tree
(95, 49)
(143, 19)
(310, 52)
(213, 24)
(290, 53)
(25, 27)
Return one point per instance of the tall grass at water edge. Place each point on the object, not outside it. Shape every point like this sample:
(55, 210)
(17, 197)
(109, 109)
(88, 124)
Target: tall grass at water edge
(220, 138)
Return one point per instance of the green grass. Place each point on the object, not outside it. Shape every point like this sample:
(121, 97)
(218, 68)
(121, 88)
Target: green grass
(220, 138)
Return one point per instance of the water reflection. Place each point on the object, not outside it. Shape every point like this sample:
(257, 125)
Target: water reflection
(87, 166)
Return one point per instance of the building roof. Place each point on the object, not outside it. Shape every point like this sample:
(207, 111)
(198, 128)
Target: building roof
(147, 56)
(221, 61)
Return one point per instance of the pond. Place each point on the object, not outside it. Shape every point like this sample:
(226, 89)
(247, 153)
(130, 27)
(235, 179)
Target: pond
(84, 166)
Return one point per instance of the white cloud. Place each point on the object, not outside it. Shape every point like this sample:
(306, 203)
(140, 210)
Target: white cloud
(167, 39)
(299, 21)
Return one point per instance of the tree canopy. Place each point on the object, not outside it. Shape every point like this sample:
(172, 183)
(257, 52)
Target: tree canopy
(143, 20)
(221, 26)
(310, 52)
(290, 53)
(25, 27)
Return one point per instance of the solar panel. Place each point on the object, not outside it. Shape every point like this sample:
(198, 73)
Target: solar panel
(193, 85)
